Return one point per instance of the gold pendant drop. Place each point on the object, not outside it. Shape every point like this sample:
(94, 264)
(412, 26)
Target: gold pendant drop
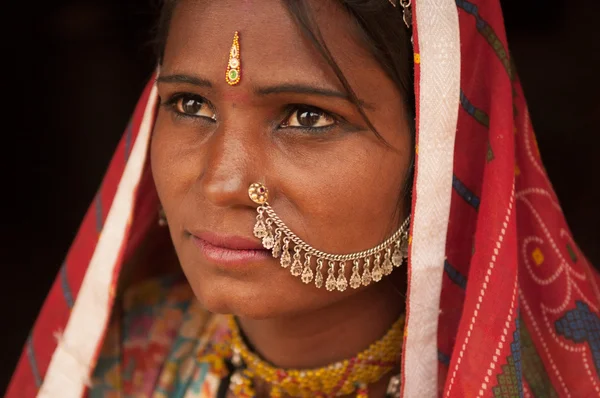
(342, 283)
(234, 66)
(260, 229)
(377, 272)
(404, 244)
(319, 275)
(331, 283)
(397, 256)
(307, 273)
(286, 258)
(277, 244)
(297, 265)
(269, 241)
(355, 280)
(388, 267)
(366, 276)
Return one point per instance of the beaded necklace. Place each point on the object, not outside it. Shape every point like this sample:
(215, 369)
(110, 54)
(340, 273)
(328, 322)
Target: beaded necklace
(239, 366)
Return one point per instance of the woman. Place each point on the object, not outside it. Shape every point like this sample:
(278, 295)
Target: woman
(278, 139)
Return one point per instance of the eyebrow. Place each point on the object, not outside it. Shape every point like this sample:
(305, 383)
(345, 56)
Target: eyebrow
(185, 79)
(306, 89)
(277, 89)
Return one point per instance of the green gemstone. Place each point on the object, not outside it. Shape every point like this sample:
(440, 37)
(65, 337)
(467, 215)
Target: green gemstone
(233, 74)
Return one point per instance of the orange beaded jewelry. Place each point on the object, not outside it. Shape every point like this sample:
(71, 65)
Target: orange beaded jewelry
(342, 378)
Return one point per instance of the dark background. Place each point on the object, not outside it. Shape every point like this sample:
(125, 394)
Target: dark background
(73, 70)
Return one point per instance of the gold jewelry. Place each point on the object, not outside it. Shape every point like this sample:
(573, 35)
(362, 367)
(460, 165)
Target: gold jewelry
(406, 10)
(234, 65)
(162, 217)
(341, 378)
(278, 238)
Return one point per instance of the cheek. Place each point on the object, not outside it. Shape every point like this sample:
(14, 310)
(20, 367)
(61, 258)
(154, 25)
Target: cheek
(367, 186)
(348, 200)
(174, 161)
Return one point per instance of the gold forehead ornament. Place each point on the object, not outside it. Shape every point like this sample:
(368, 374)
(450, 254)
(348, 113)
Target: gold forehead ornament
(277, 237)
(234, 65)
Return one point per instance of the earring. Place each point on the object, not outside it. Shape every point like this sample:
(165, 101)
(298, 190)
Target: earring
(406, 10)
(278, 238)
(234, 71)
(162, 217)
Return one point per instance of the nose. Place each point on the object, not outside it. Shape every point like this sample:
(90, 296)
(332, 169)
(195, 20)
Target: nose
(228, 167)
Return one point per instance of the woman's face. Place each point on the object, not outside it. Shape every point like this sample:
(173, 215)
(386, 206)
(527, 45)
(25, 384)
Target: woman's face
(287, 124)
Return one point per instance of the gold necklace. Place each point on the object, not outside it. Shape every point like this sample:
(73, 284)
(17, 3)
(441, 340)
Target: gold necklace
(341, 378)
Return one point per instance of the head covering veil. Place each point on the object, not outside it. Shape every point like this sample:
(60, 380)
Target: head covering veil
(500, 301)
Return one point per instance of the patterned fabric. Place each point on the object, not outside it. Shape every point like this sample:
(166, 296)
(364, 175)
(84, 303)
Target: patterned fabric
(154, 348)
(519, 304)
(581, 325)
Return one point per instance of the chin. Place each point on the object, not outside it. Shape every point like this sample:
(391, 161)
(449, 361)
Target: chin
(262, 292)
(240, 298)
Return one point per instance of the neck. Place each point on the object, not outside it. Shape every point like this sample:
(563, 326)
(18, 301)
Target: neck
(325, 336)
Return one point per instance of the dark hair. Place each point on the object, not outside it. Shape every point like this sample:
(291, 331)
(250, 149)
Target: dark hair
(378, 24)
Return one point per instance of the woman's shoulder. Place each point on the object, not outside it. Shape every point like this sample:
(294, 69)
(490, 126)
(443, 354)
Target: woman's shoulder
(161, 331)
(165, 309)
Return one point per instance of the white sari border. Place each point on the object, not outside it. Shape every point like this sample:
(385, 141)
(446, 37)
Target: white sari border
(74, 358)
(438, 104)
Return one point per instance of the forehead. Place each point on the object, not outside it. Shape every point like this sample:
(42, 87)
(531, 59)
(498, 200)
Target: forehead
(273, 47)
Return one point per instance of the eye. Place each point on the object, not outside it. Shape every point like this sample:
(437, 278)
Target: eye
(192, 106)
(309, 117)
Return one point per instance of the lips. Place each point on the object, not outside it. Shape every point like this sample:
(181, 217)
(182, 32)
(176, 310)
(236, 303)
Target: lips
(229, 249)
